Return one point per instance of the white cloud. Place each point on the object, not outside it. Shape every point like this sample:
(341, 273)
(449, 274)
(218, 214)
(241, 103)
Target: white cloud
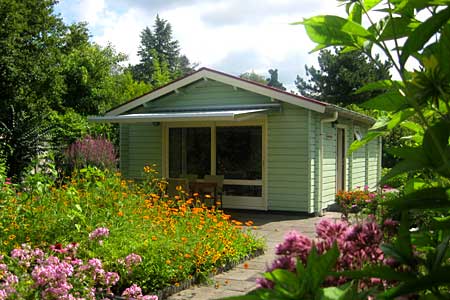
(231, 35)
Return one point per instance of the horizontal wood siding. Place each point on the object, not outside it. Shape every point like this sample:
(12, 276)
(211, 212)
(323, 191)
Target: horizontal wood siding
(206, 94)
(329, 165)
(288, 165)
(124, 149)
(141, 144)
(314, 150)
(373, 159)
(358, 172)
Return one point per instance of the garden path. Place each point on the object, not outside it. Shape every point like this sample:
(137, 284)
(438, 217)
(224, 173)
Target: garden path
(242, 278)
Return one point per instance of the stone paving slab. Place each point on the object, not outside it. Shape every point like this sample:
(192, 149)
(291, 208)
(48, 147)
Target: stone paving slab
(242, 279)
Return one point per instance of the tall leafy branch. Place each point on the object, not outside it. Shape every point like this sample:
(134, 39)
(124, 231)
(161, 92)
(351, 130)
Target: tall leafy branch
(419, 101)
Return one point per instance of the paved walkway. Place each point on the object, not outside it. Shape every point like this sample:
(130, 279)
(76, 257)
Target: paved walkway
(241, 279)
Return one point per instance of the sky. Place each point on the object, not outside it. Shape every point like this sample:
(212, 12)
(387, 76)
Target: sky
(232, 36)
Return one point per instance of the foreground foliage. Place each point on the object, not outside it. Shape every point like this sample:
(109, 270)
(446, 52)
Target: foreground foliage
(420, 101)
(177, 239)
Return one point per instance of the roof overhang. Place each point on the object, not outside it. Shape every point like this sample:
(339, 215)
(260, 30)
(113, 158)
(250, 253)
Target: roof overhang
(236, 82)
(219, 115)
(353, 115)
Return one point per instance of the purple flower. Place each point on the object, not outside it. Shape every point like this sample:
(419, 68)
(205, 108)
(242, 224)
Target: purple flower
(131, 260)
(133, 291)
(111, 278)
(264, 283)
(99, 233)
(294, 244)
(284, 262)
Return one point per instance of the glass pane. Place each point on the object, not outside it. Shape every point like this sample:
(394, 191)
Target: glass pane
(239, 153)
(189, 151)
(242, 190)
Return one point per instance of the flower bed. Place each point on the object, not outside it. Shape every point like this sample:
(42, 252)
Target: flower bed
(177, 239)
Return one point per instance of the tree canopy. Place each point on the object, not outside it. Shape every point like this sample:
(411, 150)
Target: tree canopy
(271, 81)
(48, 68)
(340, 74)
(159, 50)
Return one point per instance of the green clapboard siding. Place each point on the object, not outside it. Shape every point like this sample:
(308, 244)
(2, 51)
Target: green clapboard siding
(287, 160)
(206, 94)
(140, 145)
(373, 159)
(314, 150)
(328, 165)
(358, 171)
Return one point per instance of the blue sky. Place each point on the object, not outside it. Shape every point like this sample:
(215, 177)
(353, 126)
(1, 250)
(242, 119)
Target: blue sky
(233, 36)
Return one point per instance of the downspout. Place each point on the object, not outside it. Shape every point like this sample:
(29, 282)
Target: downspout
(331, 119)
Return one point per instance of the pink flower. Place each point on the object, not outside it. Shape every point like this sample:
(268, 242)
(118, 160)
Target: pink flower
(99, 233)
(295, 245)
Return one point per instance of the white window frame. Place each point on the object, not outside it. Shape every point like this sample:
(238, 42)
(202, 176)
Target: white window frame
(228, 201)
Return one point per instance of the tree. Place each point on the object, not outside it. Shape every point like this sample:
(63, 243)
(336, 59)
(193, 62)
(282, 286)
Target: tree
(253, 77)
(48, 68)
(273, 80)
(30, 43)
(340, 74)
(160, 42)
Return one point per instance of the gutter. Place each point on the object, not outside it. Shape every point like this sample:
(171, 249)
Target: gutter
(331, 119)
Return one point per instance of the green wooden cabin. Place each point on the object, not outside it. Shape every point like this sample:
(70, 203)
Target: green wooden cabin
(278, 151)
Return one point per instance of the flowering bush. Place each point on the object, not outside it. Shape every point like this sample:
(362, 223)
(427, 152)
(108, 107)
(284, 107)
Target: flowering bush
(146, 237)
(358, 245)
(357, 200)
(91, 151)
(58, 274)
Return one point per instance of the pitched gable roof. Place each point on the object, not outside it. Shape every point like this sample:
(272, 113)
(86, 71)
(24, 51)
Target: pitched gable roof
(205, 73)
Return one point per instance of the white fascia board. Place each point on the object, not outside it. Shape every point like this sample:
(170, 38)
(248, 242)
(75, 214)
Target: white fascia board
(156, 94)
(178, 117)
(267, 92)
(206, 74)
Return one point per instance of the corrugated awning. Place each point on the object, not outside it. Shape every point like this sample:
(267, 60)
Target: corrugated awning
(219, 115)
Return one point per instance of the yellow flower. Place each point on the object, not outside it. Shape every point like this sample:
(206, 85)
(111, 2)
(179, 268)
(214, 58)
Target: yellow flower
(12, 236)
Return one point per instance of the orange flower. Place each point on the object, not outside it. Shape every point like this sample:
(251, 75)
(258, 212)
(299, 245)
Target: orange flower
(245, 266)
(249, 223)
(120, 214)
(154, 238)
(187, 255)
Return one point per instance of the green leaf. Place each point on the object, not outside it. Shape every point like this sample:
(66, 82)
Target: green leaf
(399, 117)
(392, 251)
(366, 139)
(374, 86)
(333, 30)
(382, 272)
(396, 28)
(413, 126)
(404, 166)
(414, 184)
(343, 292)
(320, 266)
(369, 4)
(441, 250)
(422, 34)
(434, 280)
(429, 198)
(437, 148)
(356, 13)
(409, 153)
(389, 101)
